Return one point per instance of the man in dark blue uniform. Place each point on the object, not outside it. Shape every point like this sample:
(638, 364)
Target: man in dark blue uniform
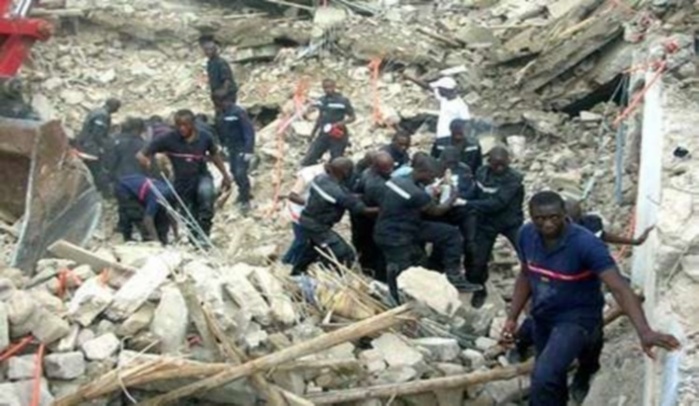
(595, 224)
(221, 81)
(238, 135)
(401, 231)
(326, 205)
(467, 145)
(371, 187)
(398, 149)
(189, 150)
(336, 112)
(563, 266)
(498, 203)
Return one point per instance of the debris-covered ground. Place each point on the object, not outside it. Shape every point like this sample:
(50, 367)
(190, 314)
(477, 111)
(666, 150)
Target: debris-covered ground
(546, 76)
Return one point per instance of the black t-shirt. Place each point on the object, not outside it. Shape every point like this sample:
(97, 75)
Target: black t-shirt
(121, 159)
(326, 205)
(400, 215)
(400, 158)
(334, 108)
(593, 223)
(188, 158)
(219, 71)
(371, 186)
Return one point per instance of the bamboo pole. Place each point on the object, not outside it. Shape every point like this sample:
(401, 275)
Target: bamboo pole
(365, 327)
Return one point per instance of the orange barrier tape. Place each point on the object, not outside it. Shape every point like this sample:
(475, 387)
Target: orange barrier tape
(631, 230)
(63, 276)
(375, 66)
(637, 99)
(15, 348)
(38, 371)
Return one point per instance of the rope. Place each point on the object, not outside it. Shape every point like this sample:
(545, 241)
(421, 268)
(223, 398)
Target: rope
(15, 348)
(38, 371)
(375, 66)
(630, 231)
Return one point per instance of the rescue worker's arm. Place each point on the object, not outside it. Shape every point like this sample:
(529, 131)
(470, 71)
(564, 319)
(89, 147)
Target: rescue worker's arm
(296, 198)
(437, 210)
(521, 295)
(611, 238)
(296, 191)
(350, 115)
(495, 202)
(317, 125)
(356, 206)
(218, 162)
(631, 305)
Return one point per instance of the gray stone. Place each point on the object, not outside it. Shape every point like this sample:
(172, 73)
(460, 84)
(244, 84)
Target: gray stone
(372, 360)
(448, 368)
(84, 336)
(137, 321)
(430, 288)
(690, 266)
(21, 367)
(586, 116)
(441, 349)
(170, 320)
(26, 388)
(101, 348)
(69, 365)
(48, 301)
(7, 288)
(69, 342)
(396, 352)
(473, 358)
(484, 343)
(506, 390)
(104, 327)
(4, 327)
(91, 299)
(20, 307)
(9, 395)
(48, 327)
(15, 275)
(398, 374)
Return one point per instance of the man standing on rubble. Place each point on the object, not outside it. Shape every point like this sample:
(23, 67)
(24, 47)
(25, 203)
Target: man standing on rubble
(327, 202)
(238, 135)
(189, 150)
(562, 267)
(401, 232)
(398, 149)
(498, 202)
(221, 81)
(451, 106)
(335, 112)
(93, 140)
(469, 148)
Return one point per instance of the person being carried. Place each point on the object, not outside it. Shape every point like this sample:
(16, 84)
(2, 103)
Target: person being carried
(398, 149)
(498, 199)
(326, 205)
(189, 150)
(451, 106)
(238, 135)
(563, 266)
(401, 232)
(469, 148)
(335, 112)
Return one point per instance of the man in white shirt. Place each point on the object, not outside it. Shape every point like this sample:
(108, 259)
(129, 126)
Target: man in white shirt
(451, 105)
(299, 192)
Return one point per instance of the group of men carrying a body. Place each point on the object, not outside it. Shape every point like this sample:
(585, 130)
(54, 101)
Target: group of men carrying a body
(125, 163)
(396, 209)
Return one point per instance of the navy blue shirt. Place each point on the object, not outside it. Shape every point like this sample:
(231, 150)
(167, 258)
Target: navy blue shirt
(565, 280)
(236, 130)
(401, 210)
(334, 108)
(188, 158)
(219, 71)
(400, 158)
(371, 186)
(121, 160)
(470, 150)
(326, 204)
(147, 191)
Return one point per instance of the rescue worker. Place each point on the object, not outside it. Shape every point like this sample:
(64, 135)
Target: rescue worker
(451, 106)
(371, 187)
(398, 149)
(401, 232)
(595, 224)
(327, 202)
(562, 267)
(330, 130)
(94, 140)
(189, 150)
(296, 201)
(221, 81)
(238, 135)
(151, 196)
(498, 199)
(468, 146)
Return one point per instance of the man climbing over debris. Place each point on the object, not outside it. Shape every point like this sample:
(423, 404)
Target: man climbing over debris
(221, 81)
(371, 187)
(327, 202)
(498, 199)
(401, 232)
(330, 131)
(93, 140)
(238, 135)
(451, 106)
(398, 149)
(469, 148)
(189, 150)
(563, 266)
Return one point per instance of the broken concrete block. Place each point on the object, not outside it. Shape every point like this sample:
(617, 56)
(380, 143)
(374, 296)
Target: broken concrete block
(341, 351)
(89, 301)
(517, 145)
(20, 307)
(430, 288)
(70, 341)
(48, 301)
(136, 290)
(450, 397)
(254, 336)
(84, 336)
(25, 389)
(291, 381)
(449, 369)
(302, 129)
(137, 321)
(587, 116)
(7, 288)
(170, 320)
(372, 360)
(280, 303)
(69, 365)
(396, 352)
(507, 390)
(9, 395)
(47, 327)
(485, 343)
(4, 327)
(136, 255)
(247, 297)
(441, 349)
(101, 348)
(15, 275)
(473, 358)
(397, 374)
(21, 367)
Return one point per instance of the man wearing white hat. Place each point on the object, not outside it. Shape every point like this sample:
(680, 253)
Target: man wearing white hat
(451, 105)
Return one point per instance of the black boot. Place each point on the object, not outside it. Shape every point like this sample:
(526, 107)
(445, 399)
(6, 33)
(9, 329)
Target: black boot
(461, 284)
(479, 297)
(580, 387)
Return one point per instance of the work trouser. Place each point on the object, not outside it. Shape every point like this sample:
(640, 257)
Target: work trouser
(100, 177)
(322, 144)
(485, 241)
(369, 255)
(466, 220)
(329, 242)
(129, 212)
(239, 168)
(296, 248)
(557, 346)
(198, 195)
